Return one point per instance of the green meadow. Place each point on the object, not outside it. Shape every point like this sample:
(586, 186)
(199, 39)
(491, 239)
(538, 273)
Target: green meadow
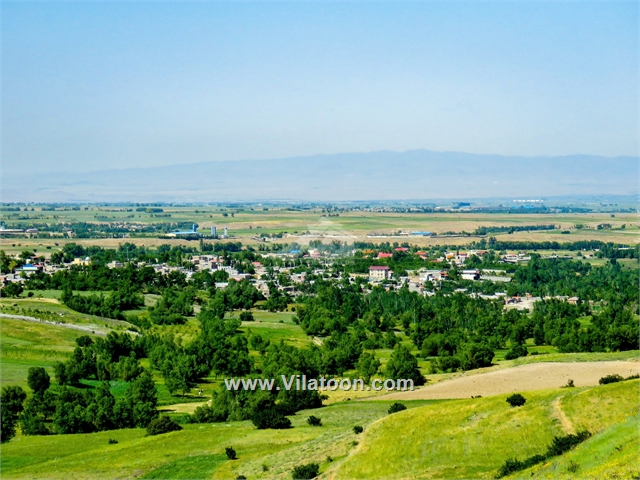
(432, 439)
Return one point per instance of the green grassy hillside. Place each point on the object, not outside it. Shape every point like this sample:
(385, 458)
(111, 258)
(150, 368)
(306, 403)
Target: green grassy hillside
(611, 454)
(472, 438)
(438, 439)
(31, 344)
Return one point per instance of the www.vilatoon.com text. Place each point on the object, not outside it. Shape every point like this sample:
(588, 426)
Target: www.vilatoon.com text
(301, 382)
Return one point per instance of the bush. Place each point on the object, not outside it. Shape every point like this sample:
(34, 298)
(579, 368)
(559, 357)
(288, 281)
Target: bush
(314, 421)
(246, 317)
(559, 445)
(306, 472)
(161, 425)
(516, 351)
(610, 379)
(270, 418)
(358, 429)
(231, 453)
(112, 441)
(516, 400)
(396, 407)
(569, 384)
(513, 465)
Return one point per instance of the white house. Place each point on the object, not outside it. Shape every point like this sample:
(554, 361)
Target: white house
(380, 272)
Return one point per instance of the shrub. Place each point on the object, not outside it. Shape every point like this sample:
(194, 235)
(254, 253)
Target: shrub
(573, 467)
(516, 400)
(231, 453)
(396, 407)
(559, 445)
(517, 351)
(610, 379)
(112, 441)
(161, 425)
(306, 472)
(358, 429)
(314, 421)
(513, 465)
(569, 384)
(246, 317)
(270, 418)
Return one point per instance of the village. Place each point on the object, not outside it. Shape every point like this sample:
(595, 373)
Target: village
(287, 272)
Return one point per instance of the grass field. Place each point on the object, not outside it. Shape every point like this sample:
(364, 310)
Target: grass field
(30, 344)
(472, 438)
(437, 439)
(611, 454)
(49, 308)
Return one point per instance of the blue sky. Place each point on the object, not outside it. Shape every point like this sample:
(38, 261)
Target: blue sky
(88, 86)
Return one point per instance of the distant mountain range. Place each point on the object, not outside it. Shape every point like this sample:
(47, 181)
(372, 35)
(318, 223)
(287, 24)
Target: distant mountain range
(384, 175)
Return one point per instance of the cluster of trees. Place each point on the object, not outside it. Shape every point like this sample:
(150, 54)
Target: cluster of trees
(115, 356)
(614, 328)
(109, 306)
(98, 277)
(219, 348)
(604, 249)
(511, 229)
(551, 277)
(72, 410)
(173, 306)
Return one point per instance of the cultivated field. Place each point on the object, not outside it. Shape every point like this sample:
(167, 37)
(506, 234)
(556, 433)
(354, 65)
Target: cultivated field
(305, 226)
(535, 376)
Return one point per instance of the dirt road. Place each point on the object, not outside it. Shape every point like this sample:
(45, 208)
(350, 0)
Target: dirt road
(89, 328)
(534, 376)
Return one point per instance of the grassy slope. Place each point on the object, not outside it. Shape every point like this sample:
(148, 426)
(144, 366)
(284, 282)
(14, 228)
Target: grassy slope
(612, 454)
(30, 344)
(445, 439)
(472, 438)
(90, 455)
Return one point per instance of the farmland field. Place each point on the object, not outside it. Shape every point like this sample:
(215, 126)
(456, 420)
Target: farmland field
(304, 226)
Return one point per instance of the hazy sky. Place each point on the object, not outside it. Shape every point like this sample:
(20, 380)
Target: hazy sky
(87, 86)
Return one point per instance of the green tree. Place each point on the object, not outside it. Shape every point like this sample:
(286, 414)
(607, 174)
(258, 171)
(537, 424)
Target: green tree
(13, 289)
(475, 355)
(161, 425)
(38, 380)
(404, 365)
(101, 410)
(368, 366)
(11, 400)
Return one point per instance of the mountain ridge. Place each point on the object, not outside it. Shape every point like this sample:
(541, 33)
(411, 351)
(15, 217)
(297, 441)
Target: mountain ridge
(382, 175)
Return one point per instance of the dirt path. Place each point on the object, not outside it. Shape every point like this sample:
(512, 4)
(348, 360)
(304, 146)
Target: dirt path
(534, 376)
(558, 413)
(90, 329)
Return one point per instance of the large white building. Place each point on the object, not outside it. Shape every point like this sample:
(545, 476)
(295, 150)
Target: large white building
(380, 272)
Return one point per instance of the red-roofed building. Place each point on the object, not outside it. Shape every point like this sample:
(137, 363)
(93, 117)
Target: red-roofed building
(401, 249)
(384, 255)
